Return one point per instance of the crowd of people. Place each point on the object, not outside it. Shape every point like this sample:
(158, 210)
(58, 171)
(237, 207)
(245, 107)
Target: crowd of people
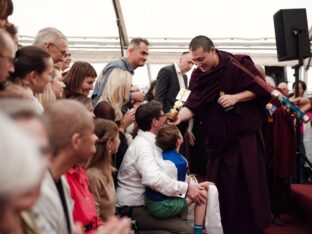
(107, 160)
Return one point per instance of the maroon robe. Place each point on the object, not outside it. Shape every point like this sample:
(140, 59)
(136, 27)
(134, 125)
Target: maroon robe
(281, 162)
(284, 147)
(233, 143)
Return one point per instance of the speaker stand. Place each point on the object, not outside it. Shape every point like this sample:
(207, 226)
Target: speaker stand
(298, 34)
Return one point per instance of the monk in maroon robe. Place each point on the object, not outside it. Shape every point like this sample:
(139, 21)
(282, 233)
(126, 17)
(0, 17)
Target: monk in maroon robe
(229, 104)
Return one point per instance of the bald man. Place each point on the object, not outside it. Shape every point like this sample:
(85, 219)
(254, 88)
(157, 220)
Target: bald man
(72, 140)
(284, 88)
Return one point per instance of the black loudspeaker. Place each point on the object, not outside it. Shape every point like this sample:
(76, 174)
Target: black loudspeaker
(289, 24)
(277, 73)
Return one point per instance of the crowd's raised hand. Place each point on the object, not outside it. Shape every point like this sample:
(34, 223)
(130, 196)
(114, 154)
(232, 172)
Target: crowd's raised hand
(302, 102)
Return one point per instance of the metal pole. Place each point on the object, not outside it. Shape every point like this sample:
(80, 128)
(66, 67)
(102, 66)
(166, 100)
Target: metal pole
(123, 36)
(120, 38)
(149, 72)
(297, 35)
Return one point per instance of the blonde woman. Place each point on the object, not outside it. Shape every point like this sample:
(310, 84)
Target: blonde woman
(100, 168)
(116, 93)
(53, 90)
(110, 105)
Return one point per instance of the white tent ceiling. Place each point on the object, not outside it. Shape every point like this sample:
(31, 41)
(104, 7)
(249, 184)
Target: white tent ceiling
(241, 26)
(166, 50)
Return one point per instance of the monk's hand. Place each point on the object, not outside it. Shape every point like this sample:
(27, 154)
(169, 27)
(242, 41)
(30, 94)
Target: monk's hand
(176, 121)
(227, 100)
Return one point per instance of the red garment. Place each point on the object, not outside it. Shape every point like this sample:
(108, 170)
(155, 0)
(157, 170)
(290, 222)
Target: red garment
(84, 207)
(284, 158)
(280, 140)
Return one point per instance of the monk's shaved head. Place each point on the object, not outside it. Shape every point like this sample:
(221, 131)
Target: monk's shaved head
(65, 118)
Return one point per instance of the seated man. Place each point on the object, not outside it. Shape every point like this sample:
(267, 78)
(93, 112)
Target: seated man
(70, 130)
(140, 168)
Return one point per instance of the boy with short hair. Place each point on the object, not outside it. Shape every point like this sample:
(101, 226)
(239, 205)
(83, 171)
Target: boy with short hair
(169, 139)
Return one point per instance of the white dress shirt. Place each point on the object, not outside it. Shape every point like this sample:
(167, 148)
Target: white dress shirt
(140, 168)
(180, 76)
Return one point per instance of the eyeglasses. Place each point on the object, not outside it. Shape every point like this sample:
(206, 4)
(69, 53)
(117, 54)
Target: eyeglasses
(63, 52)
(9, 59)
(161, 115)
